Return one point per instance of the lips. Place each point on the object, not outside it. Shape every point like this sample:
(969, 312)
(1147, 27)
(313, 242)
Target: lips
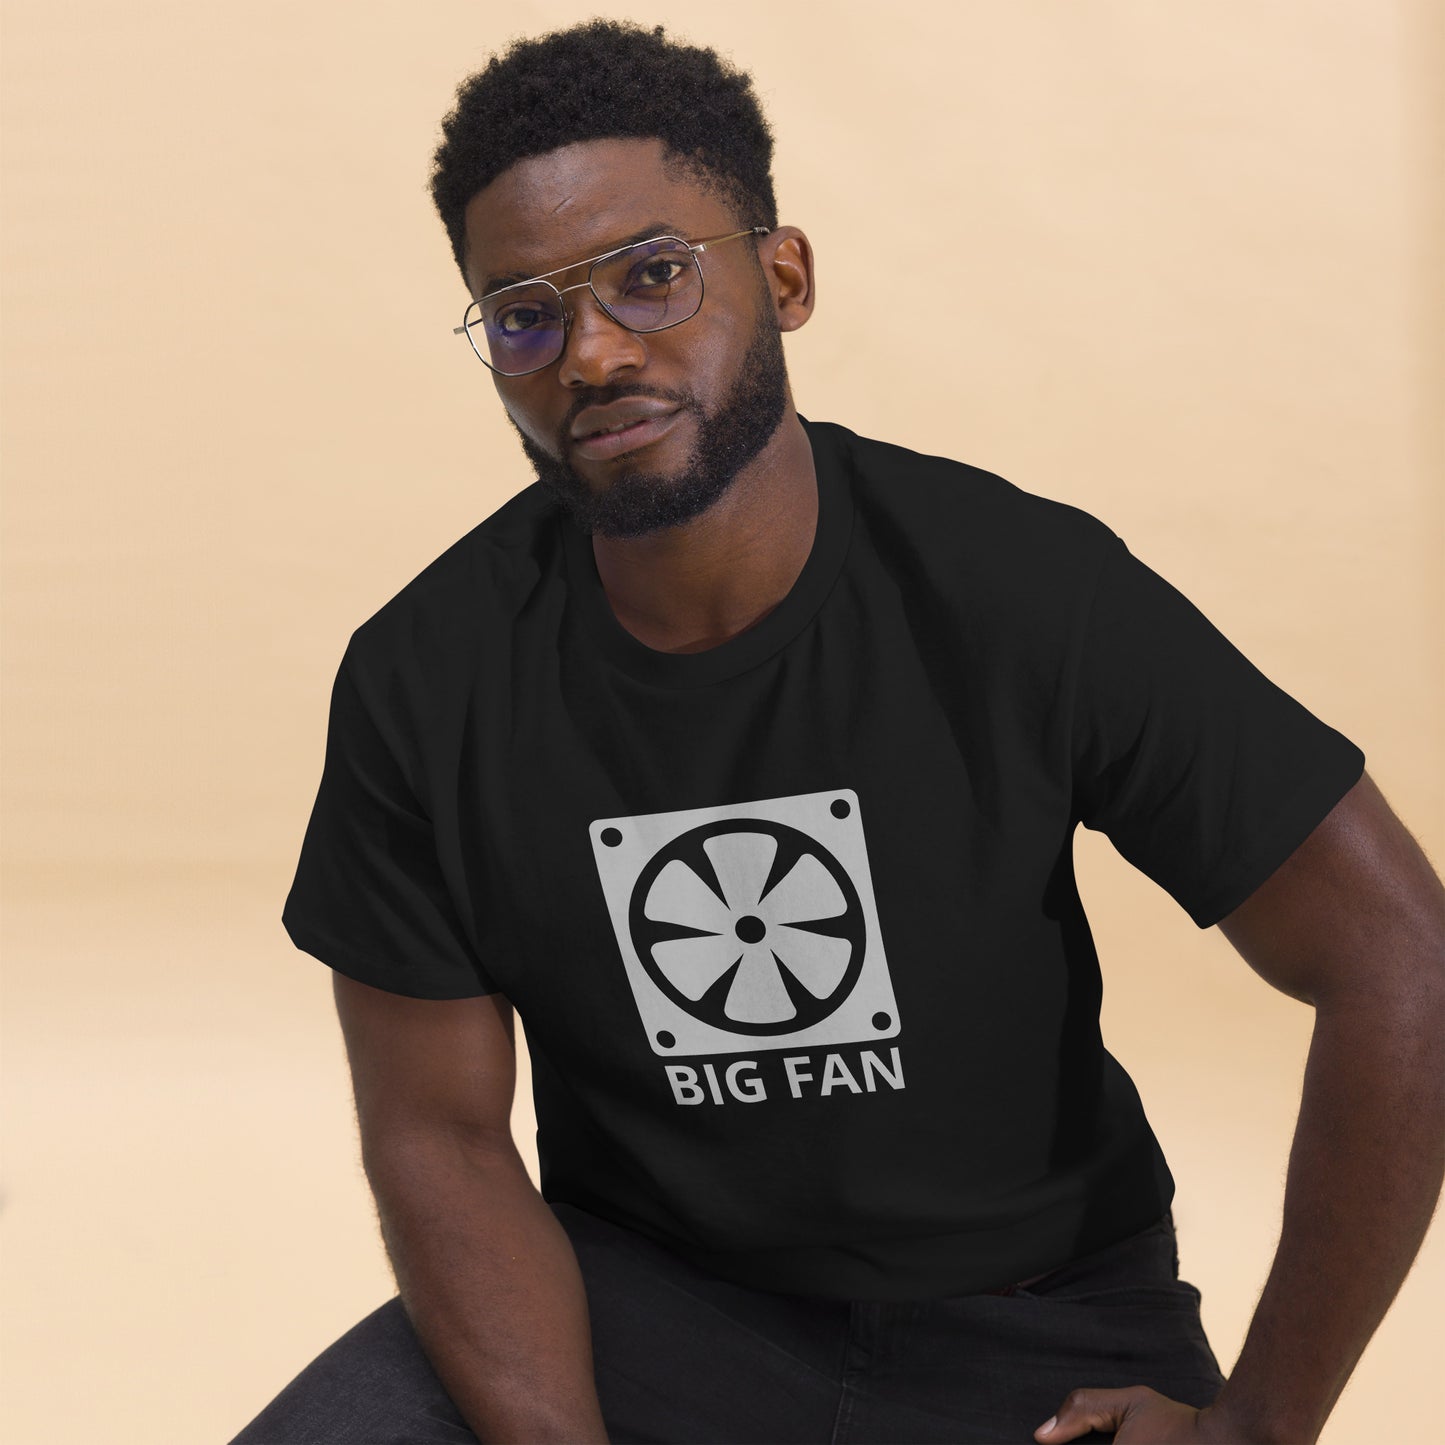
(646, 429)
(594, 419)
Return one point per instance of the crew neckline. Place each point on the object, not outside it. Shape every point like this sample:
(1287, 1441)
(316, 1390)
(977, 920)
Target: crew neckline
(832, 466)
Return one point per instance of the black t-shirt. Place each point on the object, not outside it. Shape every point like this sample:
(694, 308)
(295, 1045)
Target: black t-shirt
(792, 923)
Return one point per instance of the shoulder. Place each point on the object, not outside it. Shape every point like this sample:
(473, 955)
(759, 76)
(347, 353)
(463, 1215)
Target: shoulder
(970, 522)
(450, 610)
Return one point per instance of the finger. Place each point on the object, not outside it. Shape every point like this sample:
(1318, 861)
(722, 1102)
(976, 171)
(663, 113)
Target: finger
(1085, 1410)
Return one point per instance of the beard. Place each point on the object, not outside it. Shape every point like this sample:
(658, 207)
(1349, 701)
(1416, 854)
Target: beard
(635, 501)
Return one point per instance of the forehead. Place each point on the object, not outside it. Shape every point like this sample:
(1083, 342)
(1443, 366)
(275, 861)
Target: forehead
(576, 201)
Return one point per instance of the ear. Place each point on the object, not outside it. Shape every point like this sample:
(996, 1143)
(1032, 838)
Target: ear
(787, 259)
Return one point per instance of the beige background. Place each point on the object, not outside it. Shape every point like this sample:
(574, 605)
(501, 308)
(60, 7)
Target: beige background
(1189, 280)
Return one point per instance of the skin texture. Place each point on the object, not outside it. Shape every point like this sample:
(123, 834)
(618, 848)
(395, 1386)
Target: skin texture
(700, 535)
(1353, 925)
(692, 550)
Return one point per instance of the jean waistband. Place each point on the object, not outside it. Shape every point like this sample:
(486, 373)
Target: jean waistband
(1137, 1248)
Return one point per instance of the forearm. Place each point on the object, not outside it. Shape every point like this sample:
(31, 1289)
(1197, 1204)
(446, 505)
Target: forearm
(1365, 1171)
(491, 1284)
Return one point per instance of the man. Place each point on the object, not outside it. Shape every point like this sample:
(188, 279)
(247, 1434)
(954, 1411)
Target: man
(742, 754)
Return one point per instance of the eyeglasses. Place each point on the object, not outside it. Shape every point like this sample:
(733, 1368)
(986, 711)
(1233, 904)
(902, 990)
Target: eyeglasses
(647, 286)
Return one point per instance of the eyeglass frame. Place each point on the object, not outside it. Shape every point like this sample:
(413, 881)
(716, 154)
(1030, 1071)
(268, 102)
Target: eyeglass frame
(592, 262)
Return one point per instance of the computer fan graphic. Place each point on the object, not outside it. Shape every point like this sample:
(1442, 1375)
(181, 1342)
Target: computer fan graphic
(749, 925)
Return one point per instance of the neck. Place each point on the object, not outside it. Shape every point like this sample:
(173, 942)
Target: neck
(693, 587)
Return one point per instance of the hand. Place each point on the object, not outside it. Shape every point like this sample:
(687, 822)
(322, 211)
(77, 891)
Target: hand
(1139, 1416)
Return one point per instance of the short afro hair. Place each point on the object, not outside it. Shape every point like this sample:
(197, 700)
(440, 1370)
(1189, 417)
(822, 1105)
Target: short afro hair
(601, 79)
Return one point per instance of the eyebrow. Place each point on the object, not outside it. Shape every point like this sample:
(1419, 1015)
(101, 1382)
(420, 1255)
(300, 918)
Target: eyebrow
(657, 228)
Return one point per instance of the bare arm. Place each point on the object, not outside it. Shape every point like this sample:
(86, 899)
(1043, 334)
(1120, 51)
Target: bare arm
(1354, 924)
(487, 1275)
(491, 1285)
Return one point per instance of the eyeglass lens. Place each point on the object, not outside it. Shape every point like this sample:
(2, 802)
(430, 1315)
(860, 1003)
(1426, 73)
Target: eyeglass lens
(647, 287)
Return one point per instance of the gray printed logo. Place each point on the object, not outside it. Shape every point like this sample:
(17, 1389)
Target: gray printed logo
(749, 925)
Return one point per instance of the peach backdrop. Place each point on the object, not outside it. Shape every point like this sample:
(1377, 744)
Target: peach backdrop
(1193, 286)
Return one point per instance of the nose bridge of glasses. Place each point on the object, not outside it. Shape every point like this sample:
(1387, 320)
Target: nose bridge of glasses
(580, 330)
(580, 286)
(601, 299)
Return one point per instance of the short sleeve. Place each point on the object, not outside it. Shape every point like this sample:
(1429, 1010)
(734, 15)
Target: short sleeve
(1202, 772)
(369, 898)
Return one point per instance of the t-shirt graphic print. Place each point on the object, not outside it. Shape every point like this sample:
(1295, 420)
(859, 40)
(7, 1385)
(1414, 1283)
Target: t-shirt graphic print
(791, 924)
(752, 928)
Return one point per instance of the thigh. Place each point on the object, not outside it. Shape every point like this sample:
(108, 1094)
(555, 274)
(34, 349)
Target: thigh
(678, 1357)
(373, 1386)
(994, 1367)
(684, 1358)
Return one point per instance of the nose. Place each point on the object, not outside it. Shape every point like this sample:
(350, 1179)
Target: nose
(597, 347)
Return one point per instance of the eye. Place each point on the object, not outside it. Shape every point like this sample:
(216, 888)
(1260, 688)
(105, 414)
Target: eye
(656, 272)
(526, 316)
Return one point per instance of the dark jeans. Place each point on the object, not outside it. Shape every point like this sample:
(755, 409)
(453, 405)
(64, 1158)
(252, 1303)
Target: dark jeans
(682, 1356)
